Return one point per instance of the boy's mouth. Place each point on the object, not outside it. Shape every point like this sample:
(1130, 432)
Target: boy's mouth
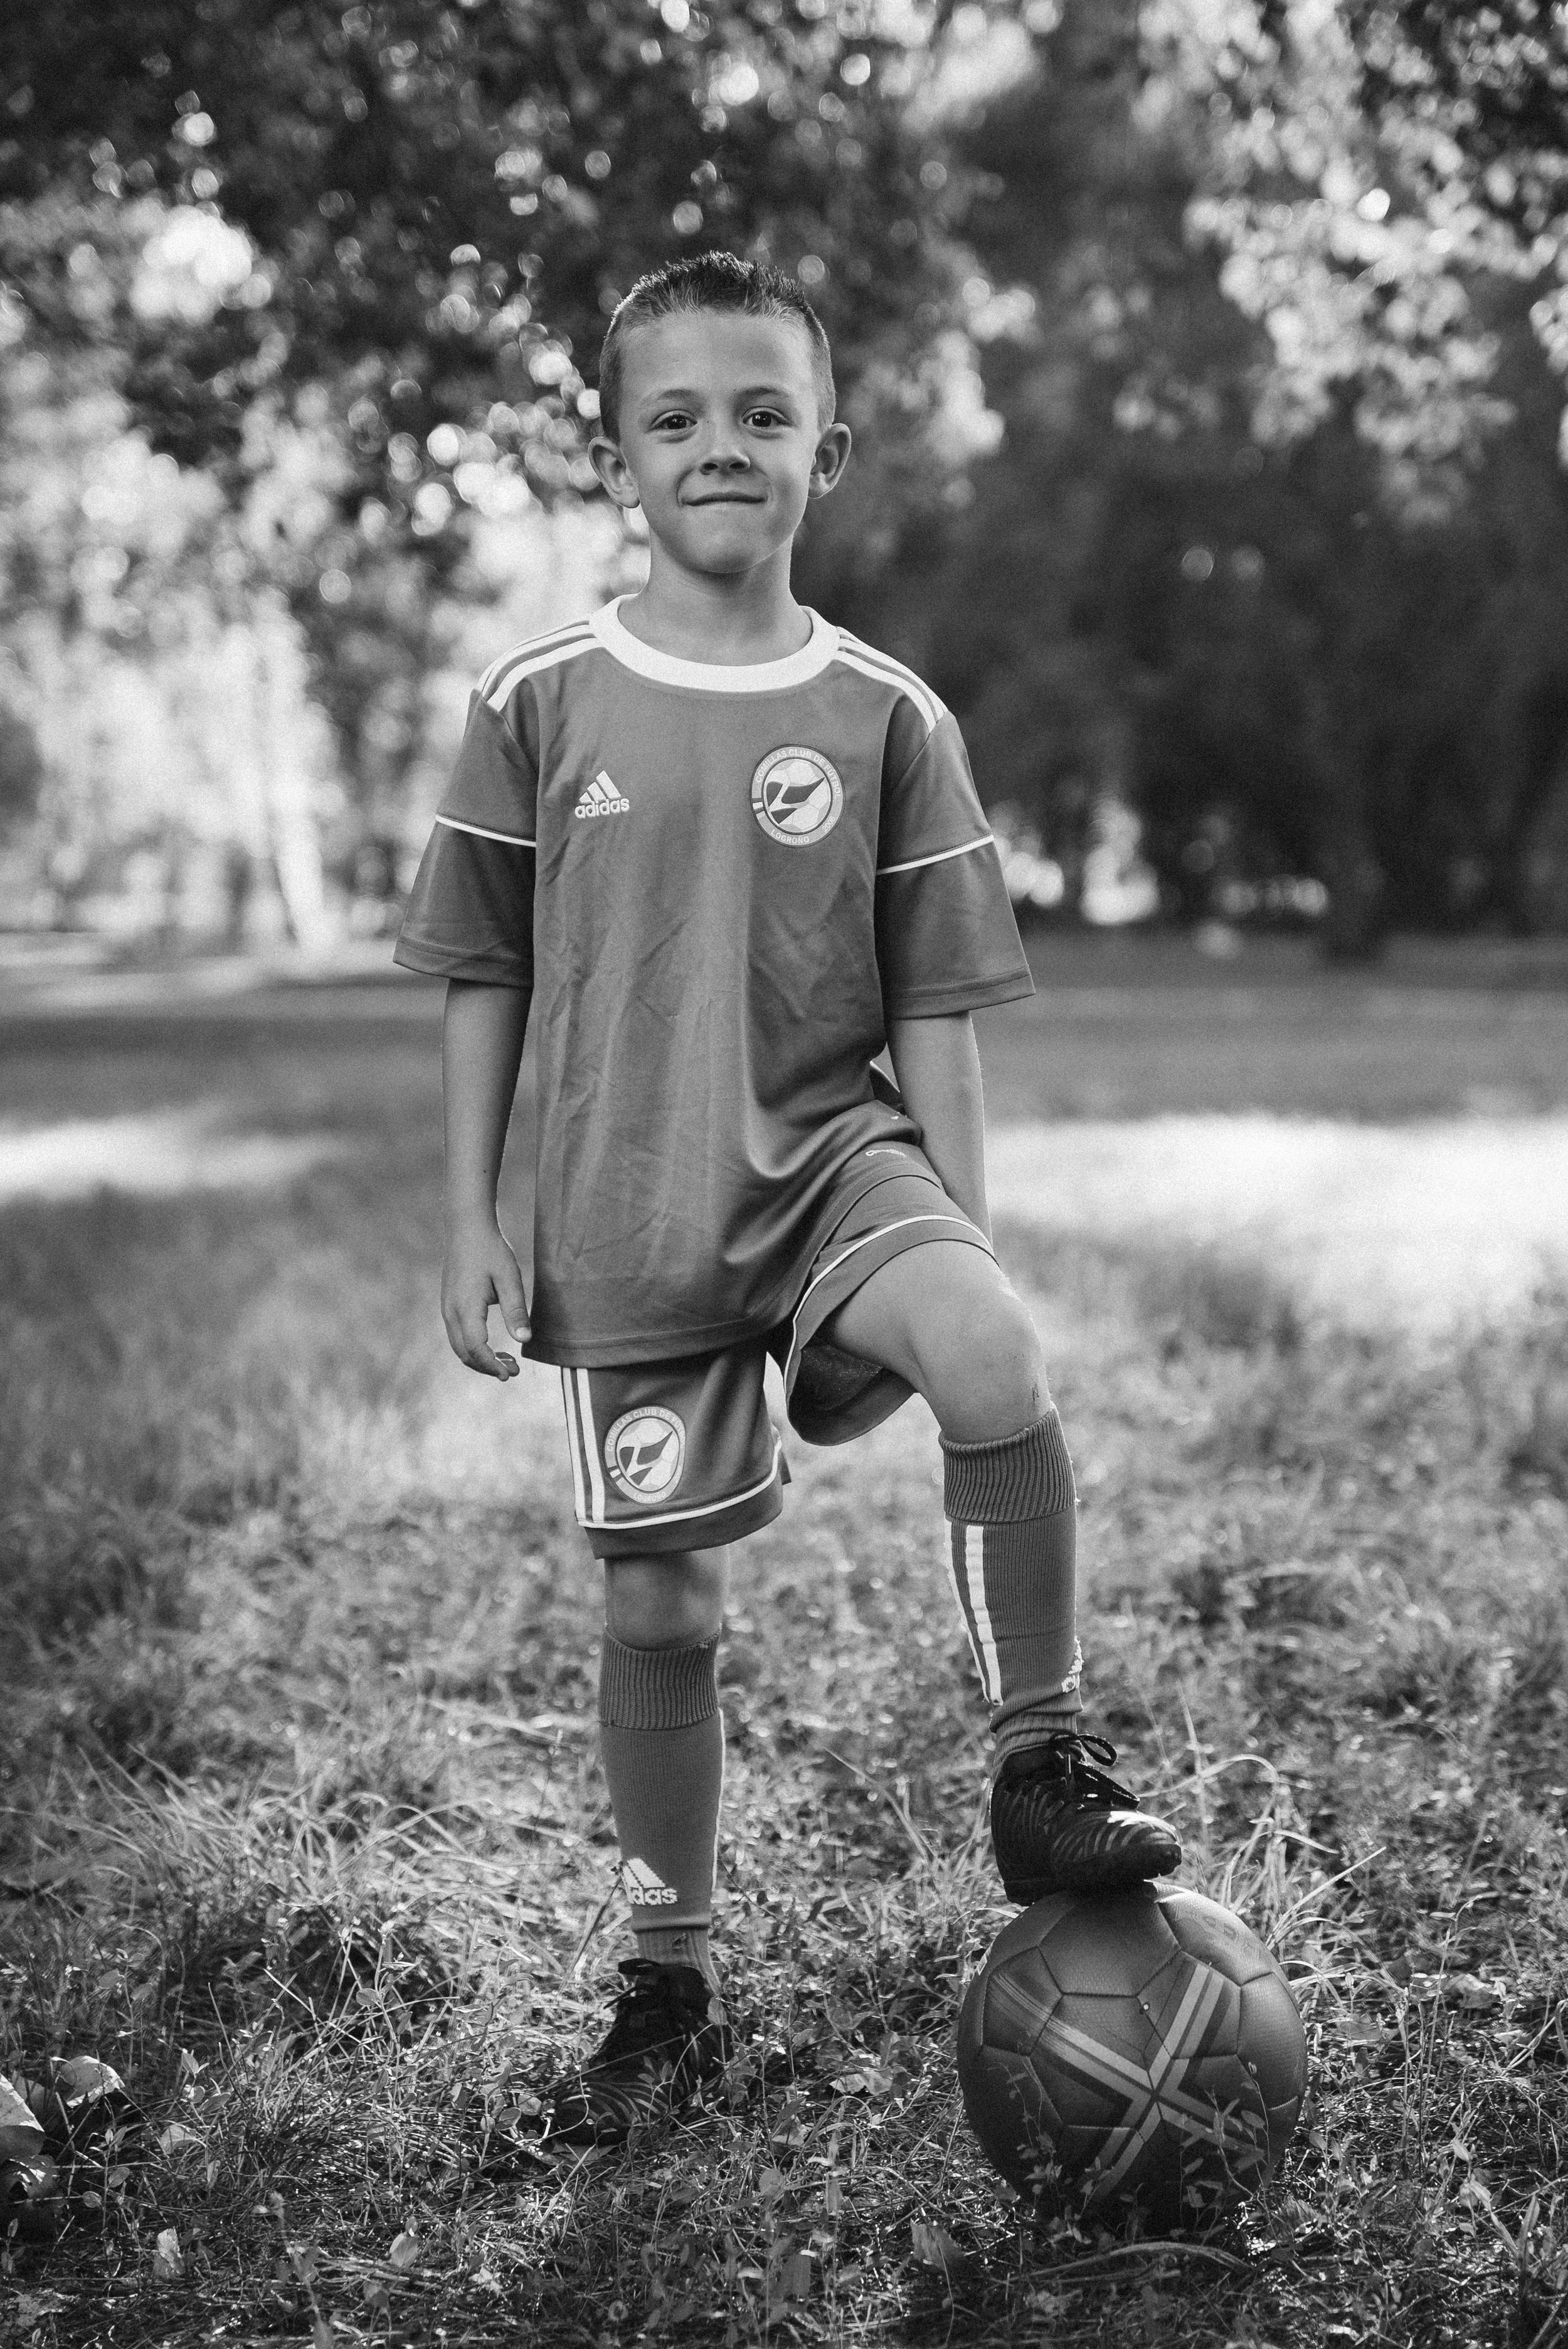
(726, 498)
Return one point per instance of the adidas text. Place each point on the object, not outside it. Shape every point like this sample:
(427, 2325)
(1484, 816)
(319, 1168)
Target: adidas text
(602, 798)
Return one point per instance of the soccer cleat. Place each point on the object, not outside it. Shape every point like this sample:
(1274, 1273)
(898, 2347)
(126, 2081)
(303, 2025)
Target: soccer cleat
(668, 2039)
(1059, 1825)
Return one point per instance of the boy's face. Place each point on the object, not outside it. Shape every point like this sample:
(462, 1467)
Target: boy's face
(720, 442)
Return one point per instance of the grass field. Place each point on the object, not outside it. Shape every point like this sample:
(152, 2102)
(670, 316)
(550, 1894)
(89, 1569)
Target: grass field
(303, 1829)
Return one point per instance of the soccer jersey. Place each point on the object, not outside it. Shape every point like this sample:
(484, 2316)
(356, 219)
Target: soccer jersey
(720, 884)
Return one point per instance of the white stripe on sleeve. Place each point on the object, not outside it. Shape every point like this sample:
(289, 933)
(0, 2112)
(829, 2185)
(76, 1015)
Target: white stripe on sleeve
(500, 692)
(913, 863)
(506, 839)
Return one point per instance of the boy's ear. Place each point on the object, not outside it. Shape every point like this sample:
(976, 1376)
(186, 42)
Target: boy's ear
(828, 464)
(614, 474)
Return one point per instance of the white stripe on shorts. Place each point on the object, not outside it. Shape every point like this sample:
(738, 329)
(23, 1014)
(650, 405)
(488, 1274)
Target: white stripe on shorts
(591, 1448)
(574, 1445)
(878, 1232)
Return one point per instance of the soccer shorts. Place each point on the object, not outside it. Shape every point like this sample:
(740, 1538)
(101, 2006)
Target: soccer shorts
(684, 1454)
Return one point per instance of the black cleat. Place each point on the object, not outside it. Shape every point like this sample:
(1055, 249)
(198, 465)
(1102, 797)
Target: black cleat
(1059, 1825)
(668, 2039)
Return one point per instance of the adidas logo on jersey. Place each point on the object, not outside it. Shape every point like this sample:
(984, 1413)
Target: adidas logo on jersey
(644, 1888)
(602, 798)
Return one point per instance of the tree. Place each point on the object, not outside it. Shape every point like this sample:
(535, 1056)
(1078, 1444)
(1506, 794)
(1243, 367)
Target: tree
(445, 201)
(1198, 577)
(353, 263)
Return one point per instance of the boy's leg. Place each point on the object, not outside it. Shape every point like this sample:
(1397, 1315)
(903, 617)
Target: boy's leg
(661, 1740)
(942, 1317)
(665, 1456)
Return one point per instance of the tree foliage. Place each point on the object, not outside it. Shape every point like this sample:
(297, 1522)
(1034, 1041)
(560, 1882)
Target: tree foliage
(1241, 314)
(1296, 585)
(444, 202)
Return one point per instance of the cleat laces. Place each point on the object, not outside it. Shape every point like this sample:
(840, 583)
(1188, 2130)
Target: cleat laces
(1080, 1757)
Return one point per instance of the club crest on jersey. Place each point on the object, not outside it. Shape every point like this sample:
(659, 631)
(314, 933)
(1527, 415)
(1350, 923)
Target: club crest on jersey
(645, 1453)
(796, 795)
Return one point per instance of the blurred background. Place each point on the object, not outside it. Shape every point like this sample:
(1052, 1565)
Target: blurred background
(1206, 358)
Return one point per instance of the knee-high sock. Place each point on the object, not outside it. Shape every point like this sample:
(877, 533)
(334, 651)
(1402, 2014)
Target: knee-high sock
(661, 1739)
(1012, 1508)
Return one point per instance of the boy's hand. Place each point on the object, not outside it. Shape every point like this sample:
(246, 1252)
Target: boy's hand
(481, 1270)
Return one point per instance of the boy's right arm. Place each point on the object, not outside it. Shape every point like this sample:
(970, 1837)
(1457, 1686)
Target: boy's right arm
(482, 1049)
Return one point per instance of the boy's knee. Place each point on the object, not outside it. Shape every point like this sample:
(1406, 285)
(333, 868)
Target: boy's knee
(989, 1380)
(675, 1601)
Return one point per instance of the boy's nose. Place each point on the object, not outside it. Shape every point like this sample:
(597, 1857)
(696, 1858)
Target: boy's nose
(724, 456)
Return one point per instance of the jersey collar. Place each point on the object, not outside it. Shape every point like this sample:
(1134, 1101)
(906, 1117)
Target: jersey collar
(715, 677)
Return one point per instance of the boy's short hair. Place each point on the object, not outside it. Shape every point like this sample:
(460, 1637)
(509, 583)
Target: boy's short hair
(712, 281)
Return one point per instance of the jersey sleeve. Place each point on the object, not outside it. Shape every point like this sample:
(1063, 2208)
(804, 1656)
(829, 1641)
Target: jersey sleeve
(947, 937)
(470, 911)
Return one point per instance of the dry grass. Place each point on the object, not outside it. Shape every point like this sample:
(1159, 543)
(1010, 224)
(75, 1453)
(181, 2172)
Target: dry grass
(303, 1831)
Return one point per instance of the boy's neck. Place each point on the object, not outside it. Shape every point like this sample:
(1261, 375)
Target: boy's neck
(732, 620)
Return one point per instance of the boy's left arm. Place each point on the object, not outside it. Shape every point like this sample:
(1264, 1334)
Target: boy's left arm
(937, 1064)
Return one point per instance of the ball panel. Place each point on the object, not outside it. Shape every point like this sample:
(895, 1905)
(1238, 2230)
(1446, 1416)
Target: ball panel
(1282, 2121)
(1222, 2084)
(1032, 1928)
(1141, 2167)
(1107, 1944)
(1195, 2011)
(972, 2021)
(1009, 2112)
(1274, 2039)
(1105, 2034)
(1083, 2065)
(1214, 1935)
(1019, 1997)
(1223, 2120)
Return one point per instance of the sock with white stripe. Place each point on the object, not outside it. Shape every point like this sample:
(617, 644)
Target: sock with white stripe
(1013, 1512)
(661, 1740)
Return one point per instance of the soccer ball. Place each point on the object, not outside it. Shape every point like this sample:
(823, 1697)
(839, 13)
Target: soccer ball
(1132, 2048)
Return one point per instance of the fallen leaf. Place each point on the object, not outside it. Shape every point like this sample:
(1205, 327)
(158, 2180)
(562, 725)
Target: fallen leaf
(167, 2258)
(1359, 2030)
(405, 2251)
(795, 2276)
(870, 2080)
(29, 2181)
(20, 2131)
(933, 2246)
(30, 2308)
(81, 2076)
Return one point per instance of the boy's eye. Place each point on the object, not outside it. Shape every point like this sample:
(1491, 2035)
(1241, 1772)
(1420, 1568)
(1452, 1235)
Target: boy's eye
(672, 420)
(764, 416)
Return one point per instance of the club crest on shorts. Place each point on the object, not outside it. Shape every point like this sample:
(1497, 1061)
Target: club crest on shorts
(796, 795)
(645, 1453)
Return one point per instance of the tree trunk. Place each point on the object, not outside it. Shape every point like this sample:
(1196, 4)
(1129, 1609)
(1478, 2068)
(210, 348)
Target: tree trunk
(290, 762)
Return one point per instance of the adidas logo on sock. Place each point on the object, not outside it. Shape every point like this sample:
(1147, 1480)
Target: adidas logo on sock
(644, 1888)
(602, 797)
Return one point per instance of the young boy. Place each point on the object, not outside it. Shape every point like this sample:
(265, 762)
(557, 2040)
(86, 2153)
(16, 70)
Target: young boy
(728, 853)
